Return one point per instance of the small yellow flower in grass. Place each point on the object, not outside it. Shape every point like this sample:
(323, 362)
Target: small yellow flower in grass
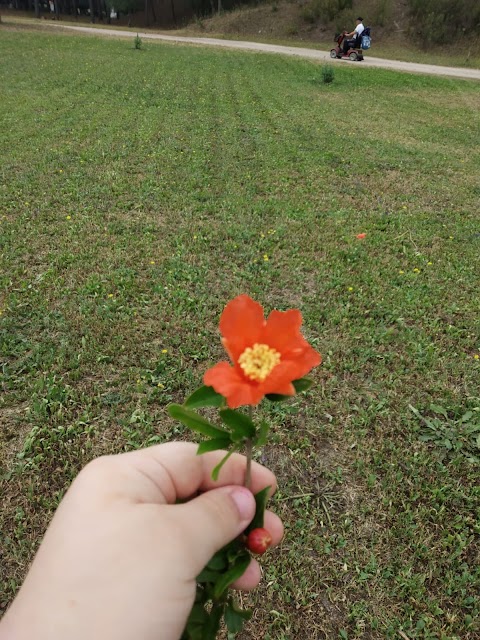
(164, 350)
(416, 271)
(69, 217)
(262, 235)
(160, 385)
(401, 272)
(60, 171)
(450, 237)
(26, 204)
(265, 258)
(152, 261)
(138, 381)
(194, 237)
(110, 295)
(404, 207)
(350, 288)
(429, 264)
(476, 357)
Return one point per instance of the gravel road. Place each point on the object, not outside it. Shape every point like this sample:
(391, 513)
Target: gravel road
(313, 54)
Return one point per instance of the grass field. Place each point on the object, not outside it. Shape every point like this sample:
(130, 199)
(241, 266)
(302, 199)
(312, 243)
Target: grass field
(140, 191)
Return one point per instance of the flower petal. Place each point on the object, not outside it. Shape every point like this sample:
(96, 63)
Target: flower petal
(227, 381)
(241, 324)
(282, 331)
(280, 380)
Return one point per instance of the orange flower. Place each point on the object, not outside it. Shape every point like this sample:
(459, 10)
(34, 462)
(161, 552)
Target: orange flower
(267, 355)
(361, 236)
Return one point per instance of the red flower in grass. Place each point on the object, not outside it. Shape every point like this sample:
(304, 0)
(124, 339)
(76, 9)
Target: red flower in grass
(361, 236)
(267, 355)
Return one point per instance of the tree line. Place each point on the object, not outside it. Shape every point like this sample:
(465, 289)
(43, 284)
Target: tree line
(432, 21)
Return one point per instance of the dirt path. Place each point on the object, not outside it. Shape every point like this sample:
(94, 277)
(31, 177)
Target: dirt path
(313, 54)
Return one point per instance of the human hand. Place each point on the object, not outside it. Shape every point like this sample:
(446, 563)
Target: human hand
(120, 558)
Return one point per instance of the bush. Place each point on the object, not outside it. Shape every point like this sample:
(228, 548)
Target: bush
(326, 10)
(437, 21)
(309, 14)
(137, 42)
(328, 73)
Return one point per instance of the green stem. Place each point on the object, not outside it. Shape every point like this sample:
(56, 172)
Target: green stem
(248, 472)
(248, 453)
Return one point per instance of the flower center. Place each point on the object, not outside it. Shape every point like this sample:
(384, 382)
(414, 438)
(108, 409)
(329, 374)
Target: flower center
(258, 361)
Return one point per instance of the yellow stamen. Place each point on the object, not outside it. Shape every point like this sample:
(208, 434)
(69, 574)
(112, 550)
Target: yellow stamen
(258, 361)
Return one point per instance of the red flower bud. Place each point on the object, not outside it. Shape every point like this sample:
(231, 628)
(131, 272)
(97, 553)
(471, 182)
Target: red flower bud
(259, 540)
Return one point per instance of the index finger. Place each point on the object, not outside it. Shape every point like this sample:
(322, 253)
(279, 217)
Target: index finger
(173, 471)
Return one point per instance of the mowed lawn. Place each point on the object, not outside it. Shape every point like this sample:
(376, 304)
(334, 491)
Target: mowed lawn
(139, 192)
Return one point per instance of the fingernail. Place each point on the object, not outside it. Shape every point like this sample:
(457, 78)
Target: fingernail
(245, 502)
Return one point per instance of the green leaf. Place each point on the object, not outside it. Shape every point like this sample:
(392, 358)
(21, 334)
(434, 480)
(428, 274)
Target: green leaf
(207, 575)
(193, 632)
(218, 562)
(302, 384)
(217, 469)
(195, 422)
(213, 624)
(261, 502)
(235, 617)
(234, 573)
(241, 425)
(204, 397)
(198, 615)
(196, 622)
(213, 445)
(438, 409)
(262, 434)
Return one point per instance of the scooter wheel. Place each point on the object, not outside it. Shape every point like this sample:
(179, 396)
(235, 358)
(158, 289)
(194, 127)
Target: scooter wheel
(333, 53)
(353, 56)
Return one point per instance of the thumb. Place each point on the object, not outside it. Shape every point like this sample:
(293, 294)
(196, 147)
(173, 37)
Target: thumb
(214, 519)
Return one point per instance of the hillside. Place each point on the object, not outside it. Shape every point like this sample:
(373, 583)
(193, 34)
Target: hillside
(287, 22)
(297, 20)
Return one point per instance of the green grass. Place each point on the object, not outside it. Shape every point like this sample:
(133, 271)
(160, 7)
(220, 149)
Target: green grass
(250, 18)
(139, 192)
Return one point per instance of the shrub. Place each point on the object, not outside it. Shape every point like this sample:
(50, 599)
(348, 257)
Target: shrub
(438, 21)
(309, 14)
(137, 42)
(326, 10)
(328, 73)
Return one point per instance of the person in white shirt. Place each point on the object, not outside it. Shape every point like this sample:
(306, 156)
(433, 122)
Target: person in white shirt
(356, 34)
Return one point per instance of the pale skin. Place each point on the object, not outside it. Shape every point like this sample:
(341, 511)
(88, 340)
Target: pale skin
(119, 558)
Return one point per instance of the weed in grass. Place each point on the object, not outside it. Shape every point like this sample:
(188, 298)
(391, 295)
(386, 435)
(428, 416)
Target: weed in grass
(137, 42)
(454, 435)
(328, 74)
